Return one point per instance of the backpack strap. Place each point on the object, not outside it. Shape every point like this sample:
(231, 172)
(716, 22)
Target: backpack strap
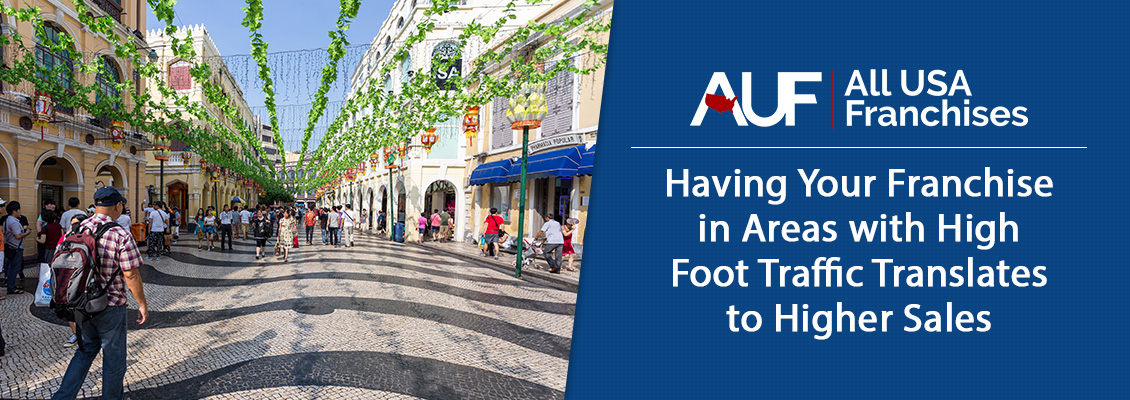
(98, 232)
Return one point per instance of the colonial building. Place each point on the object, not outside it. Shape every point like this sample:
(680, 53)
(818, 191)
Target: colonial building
(72, 155)
(293, 175)
(426, 181)
(561, 152)
(183, 181)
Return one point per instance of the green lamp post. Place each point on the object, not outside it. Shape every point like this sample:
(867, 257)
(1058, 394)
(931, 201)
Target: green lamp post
(525, 111)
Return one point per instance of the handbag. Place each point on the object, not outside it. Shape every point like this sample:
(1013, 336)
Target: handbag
(43, 291)
(296, 242)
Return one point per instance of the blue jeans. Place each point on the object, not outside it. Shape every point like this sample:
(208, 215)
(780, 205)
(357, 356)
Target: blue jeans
(13, 263)
(106, 332)
(325, 236)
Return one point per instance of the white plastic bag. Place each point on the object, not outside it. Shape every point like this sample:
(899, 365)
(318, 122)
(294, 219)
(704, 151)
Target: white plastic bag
(43, 291)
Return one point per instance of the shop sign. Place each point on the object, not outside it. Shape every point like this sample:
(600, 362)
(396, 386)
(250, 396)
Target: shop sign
(555, 142)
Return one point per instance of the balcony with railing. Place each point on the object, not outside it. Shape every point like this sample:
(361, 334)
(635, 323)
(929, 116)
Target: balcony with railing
(113, 8)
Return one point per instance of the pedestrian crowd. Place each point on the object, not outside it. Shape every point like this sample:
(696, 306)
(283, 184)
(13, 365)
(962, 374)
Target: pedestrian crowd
(108, 228)
(97, 241)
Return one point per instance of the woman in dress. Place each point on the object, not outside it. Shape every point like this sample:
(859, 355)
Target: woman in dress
(286, 232)
(199, 220)
(567, 250)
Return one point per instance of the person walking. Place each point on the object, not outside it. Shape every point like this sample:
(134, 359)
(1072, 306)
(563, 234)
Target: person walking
(323, 220)
(444, 226)
(225, 228)
(381, 229)
(567, 250)
(210, 228)
(362, 219)
(199, 228)
(157, 221)
(435, 225)
(287, 230)
(422, 224)
(106, 332)
(259, 230)
(490, 231)
(174, 220)
(244, 222)
(334, 225)
(311, 220)
(554, 241)
(348, 222)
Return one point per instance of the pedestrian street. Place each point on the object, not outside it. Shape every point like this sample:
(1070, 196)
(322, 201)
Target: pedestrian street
(382, 320)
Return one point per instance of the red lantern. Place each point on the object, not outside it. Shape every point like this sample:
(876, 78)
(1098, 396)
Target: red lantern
(374, 160)
(429, 139)
(471, 124)
(42, 111)
(116, 134)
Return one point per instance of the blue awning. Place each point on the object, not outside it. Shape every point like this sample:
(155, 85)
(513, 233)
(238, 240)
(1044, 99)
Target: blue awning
(491, 172)
(587, 160)
(551, 164)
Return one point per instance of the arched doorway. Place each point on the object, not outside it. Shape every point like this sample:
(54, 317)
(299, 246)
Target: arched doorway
(369, 210)
(110, 175)
(7, 175)
(440, 195)
(178, 198)
(58, 180)
(401, 202)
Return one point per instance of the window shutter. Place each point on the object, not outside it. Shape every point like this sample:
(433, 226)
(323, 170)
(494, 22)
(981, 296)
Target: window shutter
(501, 134)
(559, 96)
(179, 77)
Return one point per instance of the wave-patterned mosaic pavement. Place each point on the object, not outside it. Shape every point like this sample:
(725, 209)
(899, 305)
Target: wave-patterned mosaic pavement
(377, 321)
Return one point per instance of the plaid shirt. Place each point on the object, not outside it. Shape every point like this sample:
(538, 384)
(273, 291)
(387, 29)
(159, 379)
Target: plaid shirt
(115, 250)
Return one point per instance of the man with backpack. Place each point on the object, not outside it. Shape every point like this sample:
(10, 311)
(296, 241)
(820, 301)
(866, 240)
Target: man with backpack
(113, 263)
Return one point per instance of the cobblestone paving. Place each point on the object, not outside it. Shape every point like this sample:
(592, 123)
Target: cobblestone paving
(379, 321)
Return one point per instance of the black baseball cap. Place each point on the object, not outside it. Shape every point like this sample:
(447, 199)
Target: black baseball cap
(108, 196)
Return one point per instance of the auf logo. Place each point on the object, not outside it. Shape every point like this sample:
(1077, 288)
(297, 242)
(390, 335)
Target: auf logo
(787, 99)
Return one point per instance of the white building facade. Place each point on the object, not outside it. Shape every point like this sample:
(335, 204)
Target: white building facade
(427, 181)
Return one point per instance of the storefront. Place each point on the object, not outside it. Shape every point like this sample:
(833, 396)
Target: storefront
(557, 182)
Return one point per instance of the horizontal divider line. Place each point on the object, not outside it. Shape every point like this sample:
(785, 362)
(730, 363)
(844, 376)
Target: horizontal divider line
(856, 147)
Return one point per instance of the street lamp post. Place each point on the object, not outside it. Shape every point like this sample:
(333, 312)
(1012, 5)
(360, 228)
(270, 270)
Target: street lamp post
(526, 110)
(161, 152)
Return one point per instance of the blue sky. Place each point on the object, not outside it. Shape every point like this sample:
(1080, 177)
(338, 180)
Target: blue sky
(287, 25)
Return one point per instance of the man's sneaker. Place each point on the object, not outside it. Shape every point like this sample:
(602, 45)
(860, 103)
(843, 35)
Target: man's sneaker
(71, 342)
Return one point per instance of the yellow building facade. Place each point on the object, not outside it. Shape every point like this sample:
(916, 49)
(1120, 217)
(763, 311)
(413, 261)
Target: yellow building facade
(72, 156)
(182, 182)
(568, 131)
